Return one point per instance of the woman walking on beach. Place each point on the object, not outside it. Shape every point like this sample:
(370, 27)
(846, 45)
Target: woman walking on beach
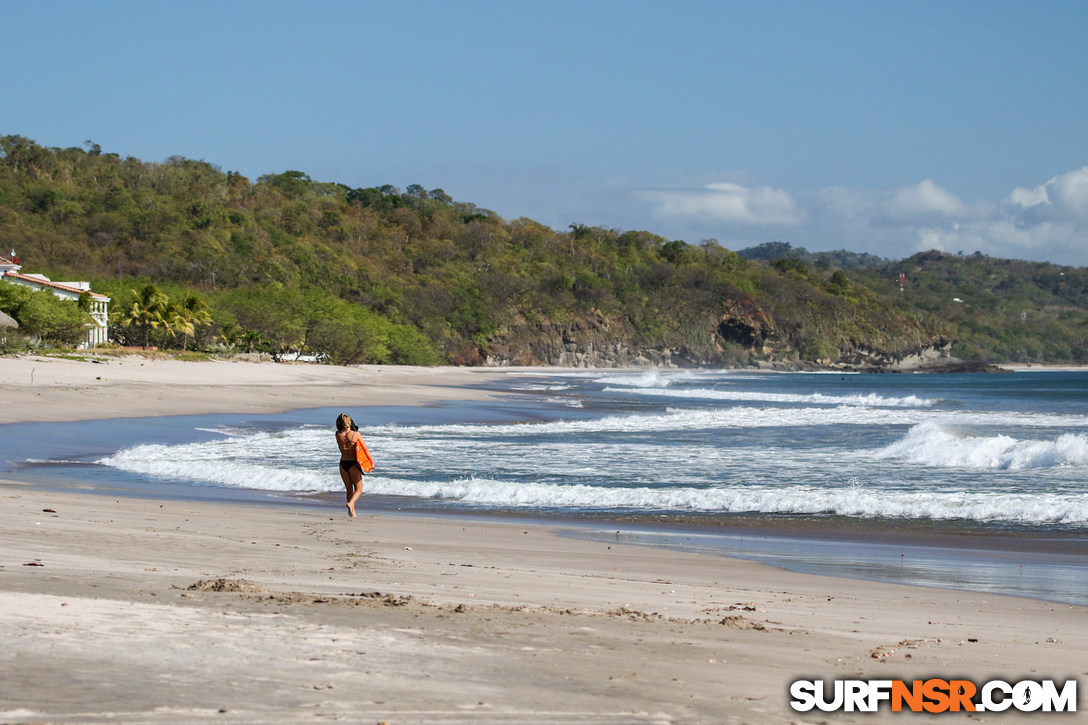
(354, 458)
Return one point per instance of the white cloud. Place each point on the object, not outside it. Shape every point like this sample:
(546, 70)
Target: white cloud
(1071, 192)
(1030, 197)
(1060, 243)
(925, 199)
(726, 202)
(1067, 194)
(1048, 222)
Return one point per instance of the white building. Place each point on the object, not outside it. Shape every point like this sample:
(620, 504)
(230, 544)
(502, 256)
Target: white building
(97, 330)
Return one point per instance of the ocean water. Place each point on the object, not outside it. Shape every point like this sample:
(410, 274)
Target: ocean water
(701, 459)
(1008, 450)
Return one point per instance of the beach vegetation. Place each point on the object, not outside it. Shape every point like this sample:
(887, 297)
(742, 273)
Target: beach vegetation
(147, 310)
(13, 342)
(43, 318)
(204, 260)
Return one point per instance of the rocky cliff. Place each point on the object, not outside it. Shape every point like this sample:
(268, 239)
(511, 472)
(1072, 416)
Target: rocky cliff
(744, 336)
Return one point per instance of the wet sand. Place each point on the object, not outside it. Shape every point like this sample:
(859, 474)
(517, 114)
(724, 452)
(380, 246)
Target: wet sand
(140, 610)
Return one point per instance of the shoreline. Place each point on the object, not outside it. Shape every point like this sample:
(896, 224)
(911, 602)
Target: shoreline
(1021, 564)
(44, 390)
(931, 554)
(49, 389)
(427, 617)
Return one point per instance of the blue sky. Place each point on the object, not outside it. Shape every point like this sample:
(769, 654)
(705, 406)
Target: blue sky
(882, 127)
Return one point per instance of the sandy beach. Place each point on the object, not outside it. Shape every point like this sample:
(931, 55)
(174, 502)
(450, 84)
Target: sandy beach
(56, 389)
(148, 611)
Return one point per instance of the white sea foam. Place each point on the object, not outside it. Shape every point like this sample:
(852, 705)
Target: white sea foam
(933, 444)
(673, 420)
(870, 399)
(714, 449)
(681, 419)
(617, 475)
(495, 491)
(848, 501)
(648, 379)
(217, 464)
(542, 387)
(55, 462)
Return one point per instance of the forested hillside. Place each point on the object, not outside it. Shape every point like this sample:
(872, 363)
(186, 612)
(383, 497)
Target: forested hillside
(996, 310)
(200, 258)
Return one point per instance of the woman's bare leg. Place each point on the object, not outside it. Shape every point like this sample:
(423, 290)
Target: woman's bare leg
(349, 487)
(355, 490)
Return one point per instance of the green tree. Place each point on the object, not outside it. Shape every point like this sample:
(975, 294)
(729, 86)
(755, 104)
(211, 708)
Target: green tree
(419, 274)
(195, 314)
(146, 312)
(274, 314)
(175, 320)
(42, 314)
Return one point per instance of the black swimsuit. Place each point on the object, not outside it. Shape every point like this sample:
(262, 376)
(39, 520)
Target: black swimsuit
(346, 464)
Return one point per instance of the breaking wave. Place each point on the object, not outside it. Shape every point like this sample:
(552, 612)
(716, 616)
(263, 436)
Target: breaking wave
(845, 501)
(933, 444)
(870, 399)
(715, 448)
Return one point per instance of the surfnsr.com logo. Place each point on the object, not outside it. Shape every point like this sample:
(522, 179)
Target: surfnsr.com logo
(934, 695)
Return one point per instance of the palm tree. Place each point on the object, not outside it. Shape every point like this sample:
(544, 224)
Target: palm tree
(194, 310)
(251, 339)
(229, 335)
(174, 320)
(146, 311)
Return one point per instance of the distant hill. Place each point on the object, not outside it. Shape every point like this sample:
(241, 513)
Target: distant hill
(843, 259)
(286, 264)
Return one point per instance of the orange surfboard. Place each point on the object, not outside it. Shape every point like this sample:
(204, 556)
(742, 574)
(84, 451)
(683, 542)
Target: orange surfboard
(362, 455)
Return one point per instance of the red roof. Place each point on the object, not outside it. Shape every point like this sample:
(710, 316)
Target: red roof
(55, 285)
